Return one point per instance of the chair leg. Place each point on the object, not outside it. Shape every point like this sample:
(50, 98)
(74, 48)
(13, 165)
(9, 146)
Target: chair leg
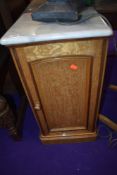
(7, 118)
(10, 124)
(113, 87)
(108, 122)
(20, 114)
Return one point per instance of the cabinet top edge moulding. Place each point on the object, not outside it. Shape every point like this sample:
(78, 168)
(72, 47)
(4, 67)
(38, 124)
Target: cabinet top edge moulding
(27, 31)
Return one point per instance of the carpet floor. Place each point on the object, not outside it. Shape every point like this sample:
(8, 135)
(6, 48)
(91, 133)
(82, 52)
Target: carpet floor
(30, 157)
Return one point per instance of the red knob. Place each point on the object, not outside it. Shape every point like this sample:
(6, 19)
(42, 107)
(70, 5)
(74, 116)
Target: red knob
(73, 67)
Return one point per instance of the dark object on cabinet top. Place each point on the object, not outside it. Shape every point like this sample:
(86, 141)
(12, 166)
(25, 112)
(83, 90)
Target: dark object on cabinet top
(58, 10)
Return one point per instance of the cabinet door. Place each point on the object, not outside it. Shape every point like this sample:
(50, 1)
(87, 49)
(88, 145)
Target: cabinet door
(63, 85)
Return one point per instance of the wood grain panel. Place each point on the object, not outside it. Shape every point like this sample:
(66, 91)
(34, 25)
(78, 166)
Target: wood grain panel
(64, 91)
(57, 49)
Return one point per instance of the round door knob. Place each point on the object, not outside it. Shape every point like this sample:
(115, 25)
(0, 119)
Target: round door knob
(37, 106)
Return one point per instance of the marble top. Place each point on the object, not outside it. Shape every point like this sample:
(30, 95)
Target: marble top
(26, 31)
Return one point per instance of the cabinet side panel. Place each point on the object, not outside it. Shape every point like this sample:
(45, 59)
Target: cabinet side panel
(99, 69)
(28, 85)
(99, 64)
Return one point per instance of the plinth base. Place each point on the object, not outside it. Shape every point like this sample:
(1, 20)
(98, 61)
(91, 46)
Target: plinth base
(65, 138)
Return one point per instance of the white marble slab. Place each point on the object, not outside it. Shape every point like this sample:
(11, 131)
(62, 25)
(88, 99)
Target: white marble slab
(27, 31)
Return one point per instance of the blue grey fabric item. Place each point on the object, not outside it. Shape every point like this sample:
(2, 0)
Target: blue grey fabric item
(57, 10)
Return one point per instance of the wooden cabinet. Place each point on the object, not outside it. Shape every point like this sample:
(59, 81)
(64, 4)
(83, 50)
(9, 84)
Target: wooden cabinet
(63, 82)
